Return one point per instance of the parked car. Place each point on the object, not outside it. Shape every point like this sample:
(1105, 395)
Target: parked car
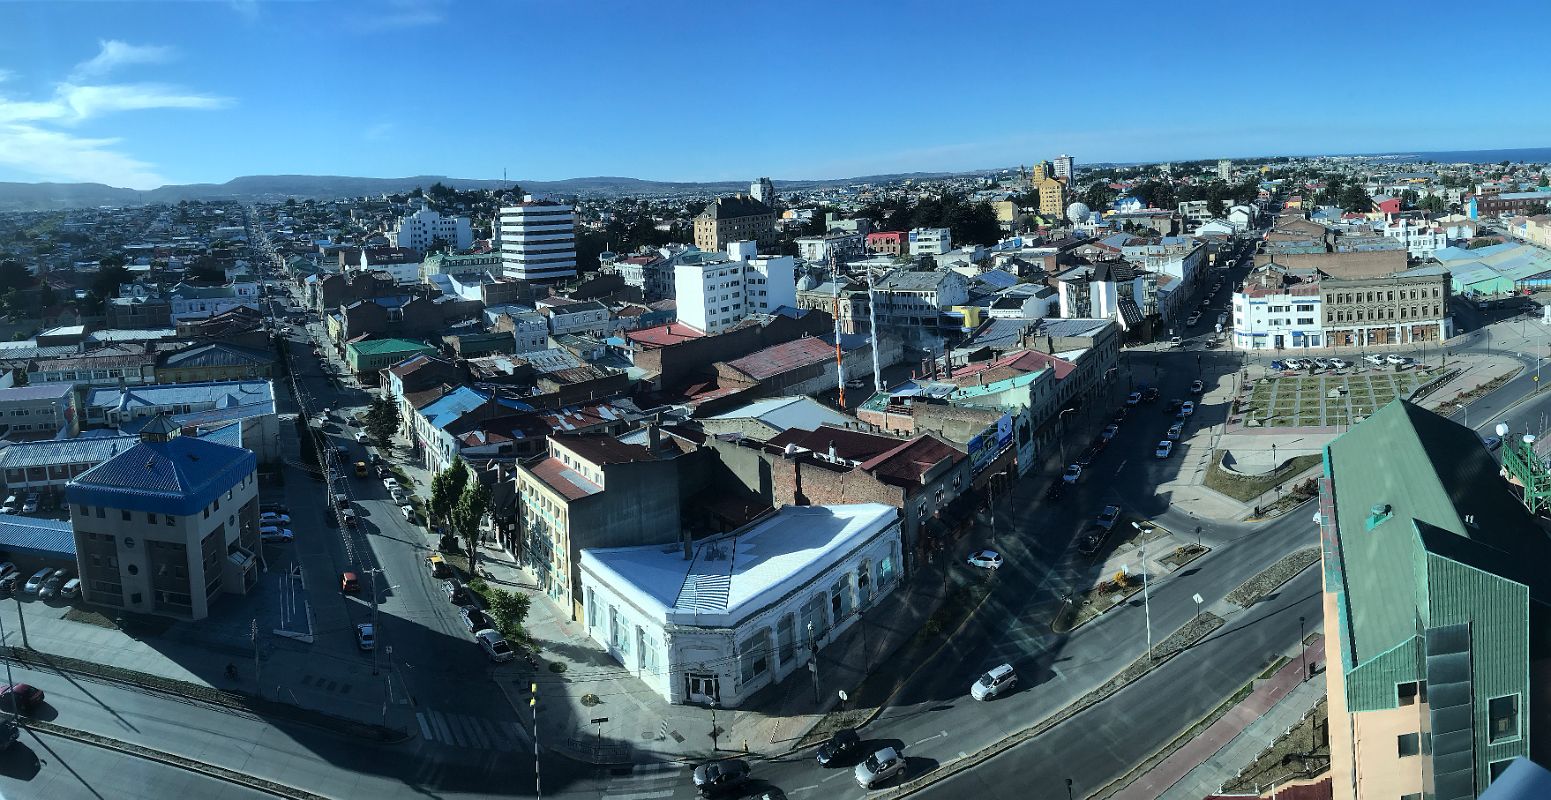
(1072, 473)
(1175, 431)
(276, 535)
(1108, 516)
(50, 587)
(1173, 406)
(1398, 360)
(71, 589)
(391, 484)
(438, 566)
(349, 516)
(1374, 360)
(494, 645)
(1492, 442)
(721, 778)
(1197, 387)
(1175, 341)
(1133, 398)
(1292, 363)
(8, 583)
(22, 697)
(1321, 363)
(986, 559)
(341, 500)
(842, 746)
(997, 681)
(366, 636)
(30, 505)
(408, 511)
(6, 568)
(879, 767)
(1109, 432)
(1150, 394)
(1278, 365)
(1092, 539)
(474, 619)
(274, 508)
(274, 519)
(36, 581)
(1188, 408)
(455, 591)
(1165, 449)
(349, 583)
(1339, 363)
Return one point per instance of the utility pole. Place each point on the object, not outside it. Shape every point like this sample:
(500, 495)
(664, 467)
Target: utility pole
(257, 683)
(813, 662)
(1146, 598)
(538, 786)
(15, 710)
(371, 575)
(20, 618)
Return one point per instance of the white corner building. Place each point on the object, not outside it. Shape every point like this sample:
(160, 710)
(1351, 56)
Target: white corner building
(714, 291)
(538, 240)
(420, 230)
(741, 610)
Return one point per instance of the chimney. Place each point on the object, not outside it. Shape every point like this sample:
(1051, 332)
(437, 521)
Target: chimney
(831, 449)
(654, 434)
(689, 547)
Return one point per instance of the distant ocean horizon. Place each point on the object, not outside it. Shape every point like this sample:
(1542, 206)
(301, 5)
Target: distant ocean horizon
(1531, 155)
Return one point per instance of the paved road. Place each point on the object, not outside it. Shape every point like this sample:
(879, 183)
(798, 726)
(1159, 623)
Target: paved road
(43, 765)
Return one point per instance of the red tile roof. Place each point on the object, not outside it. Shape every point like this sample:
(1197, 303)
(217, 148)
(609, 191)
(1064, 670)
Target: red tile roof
(603, 449)
(852, 445)
(566, 481)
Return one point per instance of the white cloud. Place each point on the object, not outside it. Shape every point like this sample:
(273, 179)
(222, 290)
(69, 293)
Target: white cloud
(113, 54)
(57, 156)
(397, 14)
(379, 131)
(247, 9)
(85, 102)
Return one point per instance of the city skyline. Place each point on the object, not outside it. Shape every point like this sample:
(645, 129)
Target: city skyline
(138, 96)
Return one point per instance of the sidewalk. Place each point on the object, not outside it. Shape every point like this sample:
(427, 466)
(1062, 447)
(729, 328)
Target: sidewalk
(1267, 710)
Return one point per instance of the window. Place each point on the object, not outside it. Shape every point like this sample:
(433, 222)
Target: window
(1494, 769)
(170, 520)
(1411, 796)
(1503, 718)
(125, 514)
(150, 518)
(101, 512)
(1409, 744)
(1405, 693)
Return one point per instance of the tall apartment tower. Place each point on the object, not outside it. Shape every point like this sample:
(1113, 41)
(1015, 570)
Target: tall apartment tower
(538, 240)
(1063, 167)
(1225, 169)
(763, 190)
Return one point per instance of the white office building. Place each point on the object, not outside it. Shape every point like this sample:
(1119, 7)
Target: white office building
(715, 291)
(1420, 237)
(1063, 167)
(763, 190)
(930, 241)
(1273, 312)
(738, 612)
(422, 229)
(538, 241)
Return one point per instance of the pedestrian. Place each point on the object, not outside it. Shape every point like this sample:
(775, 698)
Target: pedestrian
(231, 670)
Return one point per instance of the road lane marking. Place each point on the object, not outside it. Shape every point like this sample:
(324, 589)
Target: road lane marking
(638, 795)
(441, 727)
(832, 777)
(940, 735)
(425, 729)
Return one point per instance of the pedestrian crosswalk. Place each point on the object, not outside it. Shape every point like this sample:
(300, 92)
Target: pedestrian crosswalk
(470, 732)
(646, 782)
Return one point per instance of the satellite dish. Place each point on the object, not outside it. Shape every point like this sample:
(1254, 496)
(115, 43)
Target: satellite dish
(1077, 213)
(1502, 430)
(1529, 438)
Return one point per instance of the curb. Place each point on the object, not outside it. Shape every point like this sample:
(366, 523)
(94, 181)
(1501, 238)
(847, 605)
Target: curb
(180, 762)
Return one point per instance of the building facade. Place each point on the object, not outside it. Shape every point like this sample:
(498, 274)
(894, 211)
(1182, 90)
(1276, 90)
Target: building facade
(538, 241)
(734, 219)
(738, 612)
(714, 291)
(426, 227)
(1410, 306)
(167, 525)
(39, 412)
(764, 191)
(930, 241)
(1062, 167)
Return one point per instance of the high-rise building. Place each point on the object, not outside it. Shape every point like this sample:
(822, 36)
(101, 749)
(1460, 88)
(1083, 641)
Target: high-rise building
(1063, 167)
(1436, 603)
(425, 227)
(714, 291)
(1052, 196)
(538, 240)
(1225, 169)
(734, 219)
(763, 190)
(1042, 170)
(168, 525)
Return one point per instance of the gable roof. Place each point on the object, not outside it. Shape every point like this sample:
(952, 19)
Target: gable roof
(734, 207)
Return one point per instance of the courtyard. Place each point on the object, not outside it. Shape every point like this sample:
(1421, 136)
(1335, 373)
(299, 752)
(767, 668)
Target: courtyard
(1328, 399)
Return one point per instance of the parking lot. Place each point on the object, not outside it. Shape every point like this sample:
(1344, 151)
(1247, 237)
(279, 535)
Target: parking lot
(1325, 399)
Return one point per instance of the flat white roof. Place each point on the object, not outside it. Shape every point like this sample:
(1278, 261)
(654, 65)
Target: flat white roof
(735, 575)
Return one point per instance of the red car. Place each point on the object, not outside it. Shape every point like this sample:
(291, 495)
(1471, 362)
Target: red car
(25, 696)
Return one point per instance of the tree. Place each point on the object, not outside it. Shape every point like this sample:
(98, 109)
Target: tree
(1431, 204)
(1543, 181)
(467, 516)
(382, 421)
(1409, 198)
(510, 611)
(109, 278)
(446, 488)
(13, 275)
(1355, 199)
(1214, 206)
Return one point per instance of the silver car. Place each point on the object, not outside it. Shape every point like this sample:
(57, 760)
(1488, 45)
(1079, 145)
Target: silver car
(879, 767)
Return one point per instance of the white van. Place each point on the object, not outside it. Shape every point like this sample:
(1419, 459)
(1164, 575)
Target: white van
(997, 681)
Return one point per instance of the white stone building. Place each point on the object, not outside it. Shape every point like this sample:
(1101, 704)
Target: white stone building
(745, 609)
(715, 291)
(1276, 311)
(1420, 237)
(421, 229)
(538, 240)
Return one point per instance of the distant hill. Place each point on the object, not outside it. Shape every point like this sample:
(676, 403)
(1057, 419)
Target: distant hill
(269, 188)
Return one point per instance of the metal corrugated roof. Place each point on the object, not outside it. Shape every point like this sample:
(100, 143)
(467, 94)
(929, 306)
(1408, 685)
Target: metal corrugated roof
(40, 537)
(179, 476)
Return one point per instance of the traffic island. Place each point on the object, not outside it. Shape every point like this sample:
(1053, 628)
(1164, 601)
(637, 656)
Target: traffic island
(1271, 578)
(1105, 595)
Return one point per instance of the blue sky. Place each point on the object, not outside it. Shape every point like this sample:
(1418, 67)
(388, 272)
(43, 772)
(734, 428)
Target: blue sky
(141, 94)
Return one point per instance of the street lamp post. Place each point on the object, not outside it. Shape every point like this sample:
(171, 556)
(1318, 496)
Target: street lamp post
(1060, 439)
(1068, 789)
(15, 710)
(1146, 598)
(1303, 665)
(813, 660)
(713, 705)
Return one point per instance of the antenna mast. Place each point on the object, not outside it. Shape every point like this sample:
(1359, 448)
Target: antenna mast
(834, 305)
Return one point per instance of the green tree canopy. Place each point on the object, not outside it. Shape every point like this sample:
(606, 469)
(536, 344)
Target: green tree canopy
(13, 275)
(382, 421)
(467, 515)
(446, 488)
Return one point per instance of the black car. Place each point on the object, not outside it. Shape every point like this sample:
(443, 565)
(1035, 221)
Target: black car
(1174, 406)
(721, 778)
(1056, 491)
(1150, 394)
(840, 748)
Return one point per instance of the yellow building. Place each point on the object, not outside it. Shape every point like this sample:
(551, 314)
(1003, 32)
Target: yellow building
(734, 219)
(1052, 196)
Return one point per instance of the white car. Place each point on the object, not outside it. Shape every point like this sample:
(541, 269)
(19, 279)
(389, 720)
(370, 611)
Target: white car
(360, 437)
(408, 511)
(1165, 449)
(274, 519)
(1339, 363)
(391, 484)
(1398, 360)
(366, 636)
(276, 535)
(997, 681)
(30, 505)
(986, 559)
(494, 645)
(1187, 409)
(1073, 472)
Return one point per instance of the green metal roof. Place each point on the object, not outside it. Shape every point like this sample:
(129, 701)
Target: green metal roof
(382, 346)
(1433, 474)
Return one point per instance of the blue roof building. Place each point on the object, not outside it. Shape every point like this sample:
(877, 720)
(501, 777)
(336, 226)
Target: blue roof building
(166, 525)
